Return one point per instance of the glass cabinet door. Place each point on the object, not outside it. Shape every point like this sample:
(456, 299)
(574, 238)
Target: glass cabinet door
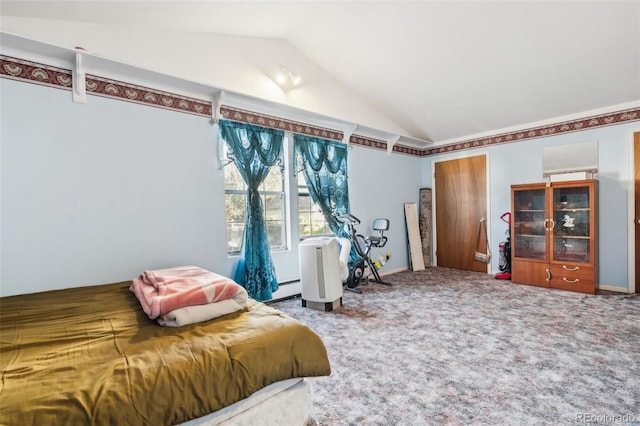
(571, 213)
(529, 237)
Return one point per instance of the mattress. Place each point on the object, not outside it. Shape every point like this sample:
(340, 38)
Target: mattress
(90, 355)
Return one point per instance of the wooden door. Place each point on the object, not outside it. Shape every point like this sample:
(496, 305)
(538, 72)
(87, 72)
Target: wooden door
(636, 160)
(460, 203)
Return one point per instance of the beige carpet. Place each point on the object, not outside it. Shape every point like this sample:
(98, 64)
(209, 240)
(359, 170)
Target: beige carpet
(449, 347)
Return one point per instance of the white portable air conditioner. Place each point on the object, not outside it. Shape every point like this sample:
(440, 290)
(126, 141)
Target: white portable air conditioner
(320, 273)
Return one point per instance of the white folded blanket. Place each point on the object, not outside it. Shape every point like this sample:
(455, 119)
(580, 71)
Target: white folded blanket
(197, 313)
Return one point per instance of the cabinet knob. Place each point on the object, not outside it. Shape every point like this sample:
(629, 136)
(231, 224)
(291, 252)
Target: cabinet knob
(570, 281)
(553, 224)
(548, 275)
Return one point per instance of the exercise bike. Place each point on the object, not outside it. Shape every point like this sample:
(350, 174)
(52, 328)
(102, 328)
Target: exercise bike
(356, 270)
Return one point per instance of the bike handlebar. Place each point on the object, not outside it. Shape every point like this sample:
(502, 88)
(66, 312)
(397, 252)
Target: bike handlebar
(349, 219)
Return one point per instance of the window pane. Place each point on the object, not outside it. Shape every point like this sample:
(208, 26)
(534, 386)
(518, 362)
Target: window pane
(273, 181)
(235, 207)
(275, 233)
(274, 218)
(302, 180)
(305, 204)
(305, 224)
(304, 216)
(273, 207)
(318, 225)
(232, 178)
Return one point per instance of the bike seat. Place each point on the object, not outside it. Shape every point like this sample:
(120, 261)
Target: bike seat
(379, 240)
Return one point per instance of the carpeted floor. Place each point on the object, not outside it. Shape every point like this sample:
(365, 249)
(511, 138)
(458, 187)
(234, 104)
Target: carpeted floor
(449, 347)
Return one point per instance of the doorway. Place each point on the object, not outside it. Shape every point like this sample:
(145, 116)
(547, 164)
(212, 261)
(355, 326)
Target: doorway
(460, 203)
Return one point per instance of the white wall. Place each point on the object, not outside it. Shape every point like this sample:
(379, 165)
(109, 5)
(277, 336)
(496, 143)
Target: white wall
(99, 192)
(379, 185)
(521, 162)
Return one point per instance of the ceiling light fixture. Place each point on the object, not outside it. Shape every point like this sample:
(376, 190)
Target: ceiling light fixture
(285, 77)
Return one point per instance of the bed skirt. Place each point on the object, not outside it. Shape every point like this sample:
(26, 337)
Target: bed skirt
(283, 403)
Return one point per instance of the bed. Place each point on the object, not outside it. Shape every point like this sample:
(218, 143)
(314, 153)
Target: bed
(90, 355)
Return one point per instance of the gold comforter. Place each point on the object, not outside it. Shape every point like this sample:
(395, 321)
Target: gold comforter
(91, 356)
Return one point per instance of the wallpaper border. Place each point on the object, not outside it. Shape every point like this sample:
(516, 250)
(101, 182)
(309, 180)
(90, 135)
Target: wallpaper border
(594, 121)
(236, 114)
(37, 73)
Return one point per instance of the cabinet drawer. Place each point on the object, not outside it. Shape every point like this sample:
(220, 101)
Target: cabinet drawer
(533, 273)
(573, 278)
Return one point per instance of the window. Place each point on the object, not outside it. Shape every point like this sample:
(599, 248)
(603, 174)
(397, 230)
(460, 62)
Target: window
(310, 216)
(273, 202)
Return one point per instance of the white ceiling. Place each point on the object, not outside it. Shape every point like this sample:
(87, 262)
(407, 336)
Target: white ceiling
(440, 70)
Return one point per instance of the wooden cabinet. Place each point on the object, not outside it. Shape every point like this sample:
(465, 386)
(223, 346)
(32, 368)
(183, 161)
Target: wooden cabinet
(554, 235)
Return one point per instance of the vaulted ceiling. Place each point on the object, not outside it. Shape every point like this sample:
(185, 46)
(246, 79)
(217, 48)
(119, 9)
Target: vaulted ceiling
(439, 70)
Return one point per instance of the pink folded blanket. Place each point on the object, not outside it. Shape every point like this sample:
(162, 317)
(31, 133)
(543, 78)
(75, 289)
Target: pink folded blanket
(165, 290)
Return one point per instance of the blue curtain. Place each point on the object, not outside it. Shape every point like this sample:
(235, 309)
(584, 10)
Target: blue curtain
(254, 150)
(324, 164)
